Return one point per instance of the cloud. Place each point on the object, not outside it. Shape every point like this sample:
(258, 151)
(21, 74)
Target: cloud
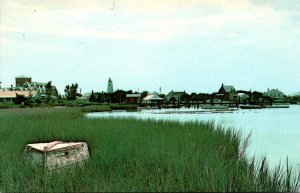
(142, 20)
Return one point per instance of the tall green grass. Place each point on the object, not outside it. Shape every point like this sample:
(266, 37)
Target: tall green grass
(132, 155)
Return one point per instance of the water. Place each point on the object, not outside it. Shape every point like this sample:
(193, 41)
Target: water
(275, 132)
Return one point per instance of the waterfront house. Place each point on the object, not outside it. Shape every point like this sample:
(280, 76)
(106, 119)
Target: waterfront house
(242, 97)
(174, 96)
(227, 92)
(8, 96)
(133, 98)
(274, 93)
(152, 99)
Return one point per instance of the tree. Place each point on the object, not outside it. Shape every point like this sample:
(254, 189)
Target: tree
(103, 97)
(255, 96)
(118, 96)
(93, 97)
(71, 91)
(49, 91)
(144, 94)
(193, 97)
(19, 99)
(186, 98)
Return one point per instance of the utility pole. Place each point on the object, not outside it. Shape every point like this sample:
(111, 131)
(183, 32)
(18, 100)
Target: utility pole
(160, 90)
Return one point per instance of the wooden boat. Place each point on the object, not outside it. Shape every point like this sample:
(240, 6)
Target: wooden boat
(250, 107)
(57, 154)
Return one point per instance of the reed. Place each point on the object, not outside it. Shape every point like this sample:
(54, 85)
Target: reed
(133, 155)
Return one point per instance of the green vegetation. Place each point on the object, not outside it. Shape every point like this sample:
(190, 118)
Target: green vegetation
(71, 91)
(131, 155)
(96, 108)
(6, 105)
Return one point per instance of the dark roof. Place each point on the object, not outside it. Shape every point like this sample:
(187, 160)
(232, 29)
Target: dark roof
(228, 88)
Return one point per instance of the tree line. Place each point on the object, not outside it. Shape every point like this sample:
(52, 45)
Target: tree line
(119, 96)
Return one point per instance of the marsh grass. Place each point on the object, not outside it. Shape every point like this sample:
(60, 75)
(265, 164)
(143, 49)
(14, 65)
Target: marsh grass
(133, 155)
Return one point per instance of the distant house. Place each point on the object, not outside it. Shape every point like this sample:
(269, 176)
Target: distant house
(227, 92)
(41, 87)
(24, 83)
(133, 98)
(85, 96)
(174, 96)
(274, 93)
(8, 96)
(21, 80)
(242, 97)
(152, 99)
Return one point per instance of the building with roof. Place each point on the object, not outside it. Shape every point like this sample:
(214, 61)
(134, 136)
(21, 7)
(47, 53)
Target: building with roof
(110, 88)
(174, 96)
(24, 83)
(85, 96)
(242, 97)
(9, 96)
(133, 98)
(226, 92)
(274, 93)
(21, 80)
(152, 99)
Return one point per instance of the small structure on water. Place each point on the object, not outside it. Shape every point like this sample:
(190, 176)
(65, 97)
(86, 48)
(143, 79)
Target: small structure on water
(57, 154)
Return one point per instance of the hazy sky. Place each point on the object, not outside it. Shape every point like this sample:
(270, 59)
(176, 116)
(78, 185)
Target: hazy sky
(193, 45)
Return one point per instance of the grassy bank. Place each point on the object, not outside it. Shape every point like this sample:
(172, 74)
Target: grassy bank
(130, 155)
(85, 106)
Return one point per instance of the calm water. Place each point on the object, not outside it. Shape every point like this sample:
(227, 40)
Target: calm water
(275, 132)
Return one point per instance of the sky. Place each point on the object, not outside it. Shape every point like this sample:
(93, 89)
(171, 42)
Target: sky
(179, 45)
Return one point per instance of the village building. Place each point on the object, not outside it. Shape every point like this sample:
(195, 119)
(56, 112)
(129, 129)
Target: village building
(174, 96)
(133, 98)
(242, 97)
(9, 96)
(152, 99)
(227, 93)
(24, 83)
(85, 96)
(21, 80)
(274, 93)
(110, 88)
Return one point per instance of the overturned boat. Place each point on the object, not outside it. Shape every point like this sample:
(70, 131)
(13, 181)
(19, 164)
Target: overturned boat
(56, 154)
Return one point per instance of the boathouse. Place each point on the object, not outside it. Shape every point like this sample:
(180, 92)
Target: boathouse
(227, 92)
